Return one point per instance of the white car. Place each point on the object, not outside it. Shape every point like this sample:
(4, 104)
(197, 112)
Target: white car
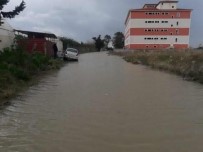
(110, 46)
(71, 54)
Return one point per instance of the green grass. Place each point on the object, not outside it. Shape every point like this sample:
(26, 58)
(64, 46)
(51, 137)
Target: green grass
(188, 63)
(18, 68)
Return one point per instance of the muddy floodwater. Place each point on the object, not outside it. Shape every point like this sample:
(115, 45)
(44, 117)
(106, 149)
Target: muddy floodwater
(104, 104)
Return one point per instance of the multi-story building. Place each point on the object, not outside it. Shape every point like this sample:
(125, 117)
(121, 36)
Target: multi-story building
(158, 26)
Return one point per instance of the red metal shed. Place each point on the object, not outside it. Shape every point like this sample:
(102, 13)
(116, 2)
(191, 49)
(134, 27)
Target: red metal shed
(37, 42)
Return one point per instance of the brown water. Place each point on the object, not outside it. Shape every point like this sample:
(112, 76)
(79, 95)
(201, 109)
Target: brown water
(103, 104)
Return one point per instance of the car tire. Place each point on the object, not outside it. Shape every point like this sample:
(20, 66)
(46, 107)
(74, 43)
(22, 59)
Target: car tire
(65, 59)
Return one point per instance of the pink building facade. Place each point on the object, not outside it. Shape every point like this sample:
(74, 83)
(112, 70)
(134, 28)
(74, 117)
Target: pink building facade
(158, 26)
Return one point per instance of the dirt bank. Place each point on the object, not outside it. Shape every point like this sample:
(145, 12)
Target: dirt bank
(187, 63)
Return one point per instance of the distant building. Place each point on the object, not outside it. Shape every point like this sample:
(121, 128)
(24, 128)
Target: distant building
(158, 26)
(110, 45)
(7, 35)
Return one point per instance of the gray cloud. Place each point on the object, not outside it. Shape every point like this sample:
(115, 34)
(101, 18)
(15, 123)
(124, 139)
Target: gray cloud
(83, 19)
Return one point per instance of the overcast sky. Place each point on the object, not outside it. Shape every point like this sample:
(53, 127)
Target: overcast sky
(84, 19)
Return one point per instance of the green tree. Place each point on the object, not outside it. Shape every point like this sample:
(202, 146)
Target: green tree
(99, 43)
(10, 14)
(118, 40)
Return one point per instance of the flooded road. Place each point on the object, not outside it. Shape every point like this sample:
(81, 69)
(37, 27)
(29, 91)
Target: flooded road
(104, 104)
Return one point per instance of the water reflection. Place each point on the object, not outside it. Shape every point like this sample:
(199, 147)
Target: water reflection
(103, 104)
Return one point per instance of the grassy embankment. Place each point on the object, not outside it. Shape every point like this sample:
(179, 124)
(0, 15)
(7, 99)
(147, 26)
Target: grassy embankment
(188, 63)
(19, 69)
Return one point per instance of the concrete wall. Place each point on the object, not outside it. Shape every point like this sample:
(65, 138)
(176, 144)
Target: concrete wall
(148, 39)
(141, 23)
(59, 44)
(6, 35)
(167, 5)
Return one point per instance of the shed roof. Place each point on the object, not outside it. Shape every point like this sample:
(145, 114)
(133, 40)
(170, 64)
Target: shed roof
(37, 34)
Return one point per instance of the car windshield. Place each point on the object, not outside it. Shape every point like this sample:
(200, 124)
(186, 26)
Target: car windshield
(72, 50)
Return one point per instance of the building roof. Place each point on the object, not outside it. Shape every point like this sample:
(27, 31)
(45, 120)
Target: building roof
(37, 34)
(167, 1)
(155, 5)
(151, 6)
(159, 10)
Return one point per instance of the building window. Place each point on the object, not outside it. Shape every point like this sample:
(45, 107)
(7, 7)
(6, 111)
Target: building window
(171, 25)
(177, 23)
(172, 6)
(171, 33)
(145, 21)
(172, 16)
(164, 21)
(155, 46)
(176, 39)
(147, 46)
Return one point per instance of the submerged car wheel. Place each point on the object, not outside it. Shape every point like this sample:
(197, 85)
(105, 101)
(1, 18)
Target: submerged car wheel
(65, 59)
